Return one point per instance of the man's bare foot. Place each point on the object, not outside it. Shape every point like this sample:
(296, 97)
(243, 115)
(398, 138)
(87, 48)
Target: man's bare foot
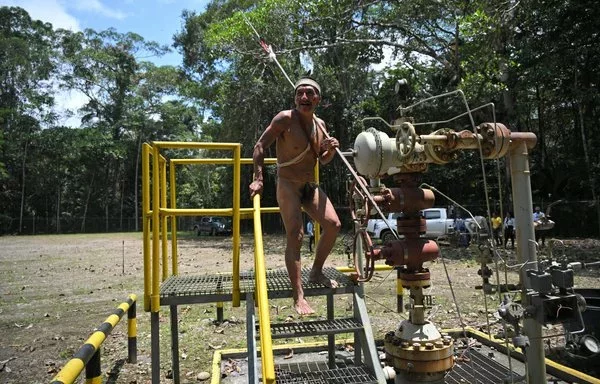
(303, 308)
(319, 278)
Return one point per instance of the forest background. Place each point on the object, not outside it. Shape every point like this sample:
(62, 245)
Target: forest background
(536, 60)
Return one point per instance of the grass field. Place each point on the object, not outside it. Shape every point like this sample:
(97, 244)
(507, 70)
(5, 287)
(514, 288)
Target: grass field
(56, 289)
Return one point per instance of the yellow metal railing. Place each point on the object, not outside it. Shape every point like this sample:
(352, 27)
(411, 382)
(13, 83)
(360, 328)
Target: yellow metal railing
(262, 299)
(159, 204)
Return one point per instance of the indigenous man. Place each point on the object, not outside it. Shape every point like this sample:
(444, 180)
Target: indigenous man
(300, 141)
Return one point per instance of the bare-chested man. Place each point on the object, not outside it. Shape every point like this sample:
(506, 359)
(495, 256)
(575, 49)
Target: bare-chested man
(300, 141)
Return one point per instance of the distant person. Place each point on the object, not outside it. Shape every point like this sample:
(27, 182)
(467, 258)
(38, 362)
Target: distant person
(538, 219)
(463, 234)
(310, 232)
(497, 228)
(509, 230)
(300, 140)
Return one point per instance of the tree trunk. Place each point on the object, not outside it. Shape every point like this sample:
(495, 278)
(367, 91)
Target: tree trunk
(136, 178)
(23, 186)
(541, 128)
(588, 165)
(122, 199)
(58, 209)
(87, 203)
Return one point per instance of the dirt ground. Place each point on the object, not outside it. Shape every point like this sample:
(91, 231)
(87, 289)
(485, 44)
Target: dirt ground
(57, 289)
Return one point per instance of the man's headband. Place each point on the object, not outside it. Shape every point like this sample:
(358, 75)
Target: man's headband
(310, 82)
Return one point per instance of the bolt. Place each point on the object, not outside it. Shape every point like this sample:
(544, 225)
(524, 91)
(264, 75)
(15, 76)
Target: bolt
(404, 344)
(439, 344)
(429, 346)
(416, 346)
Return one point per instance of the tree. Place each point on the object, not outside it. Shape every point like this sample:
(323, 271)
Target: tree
(26, 68)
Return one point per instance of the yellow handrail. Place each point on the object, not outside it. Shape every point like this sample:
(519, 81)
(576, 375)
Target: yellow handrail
(264, 321)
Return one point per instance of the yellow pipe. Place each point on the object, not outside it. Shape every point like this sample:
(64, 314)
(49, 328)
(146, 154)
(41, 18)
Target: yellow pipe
(174, 258)
(245, 213)
(197, 211)
(193, 145)
(69, 373)
(216, 368)
(221, 161)
(155, 299)
(248, 213)
(146, 223)
(570, 371)
(236, 226)
(266, 345)
(163, 222)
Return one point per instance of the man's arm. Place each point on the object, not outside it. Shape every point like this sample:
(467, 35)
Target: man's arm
(327, 147)
(258, 156)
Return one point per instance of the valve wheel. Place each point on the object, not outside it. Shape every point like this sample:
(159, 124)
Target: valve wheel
(406, 138)
(369, 267)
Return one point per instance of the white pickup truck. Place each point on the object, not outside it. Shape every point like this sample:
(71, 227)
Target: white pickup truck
(438, 225)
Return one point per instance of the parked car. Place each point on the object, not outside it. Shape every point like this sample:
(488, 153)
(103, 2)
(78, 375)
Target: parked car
(213, 226)
(438, 225)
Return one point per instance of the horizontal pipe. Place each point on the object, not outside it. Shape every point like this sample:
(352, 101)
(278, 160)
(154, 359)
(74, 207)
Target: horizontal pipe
(194, 145)
(69, 373)
(221, 161)
(529, 138)
(245, 213)
(378, 267)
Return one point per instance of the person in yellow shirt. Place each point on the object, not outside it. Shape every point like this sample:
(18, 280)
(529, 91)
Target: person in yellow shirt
(497, 228)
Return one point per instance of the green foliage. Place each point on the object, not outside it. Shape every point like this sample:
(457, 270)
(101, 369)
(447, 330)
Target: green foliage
(536, 61)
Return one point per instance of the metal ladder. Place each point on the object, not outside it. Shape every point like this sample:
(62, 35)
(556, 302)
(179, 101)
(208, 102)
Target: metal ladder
(366, 367)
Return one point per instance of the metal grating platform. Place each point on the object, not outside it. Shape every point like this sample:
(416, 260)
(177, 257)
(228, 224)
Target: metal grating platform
(320, 373)
(478, 368)
(219, 287)
(314, 328)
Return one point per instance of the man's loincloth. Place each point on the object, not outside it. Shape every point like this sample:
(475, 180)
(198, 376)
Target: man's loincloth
(307, 192)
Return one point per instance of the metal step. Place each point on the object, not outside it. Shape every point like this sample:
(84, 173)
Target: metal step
(322, 374)
(314, 328)
(192, 289)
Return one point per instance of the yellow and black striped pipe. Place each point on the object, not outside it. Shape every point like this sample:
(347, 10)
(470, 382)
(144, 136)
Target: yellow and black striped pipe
(89, 353)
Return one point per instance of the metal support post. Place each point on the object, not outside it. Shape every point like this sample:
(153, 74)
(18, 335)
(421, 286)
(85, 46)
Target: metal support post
(526, 253)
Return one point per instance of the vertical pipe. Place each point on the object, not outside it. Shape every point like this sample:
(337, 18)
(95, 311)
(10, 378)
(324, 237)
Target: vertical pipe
(155, 299)
(155, 347)
(526, 253)
(236, 224)
(251, 339)
(93, 369)
(317, 226)
(146, 223)
(330, 338)
(132, 332)
(155, 295)
(163, 219)
(174, 343)
(399, 292)
(359, 340)
(266, 346)
(173, 192)
(220, 316)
